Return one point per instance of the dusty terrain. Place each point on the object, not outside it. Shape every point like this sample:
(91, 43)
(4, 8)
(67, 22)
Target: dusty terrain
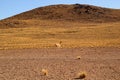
(98, 63)
(27, 43)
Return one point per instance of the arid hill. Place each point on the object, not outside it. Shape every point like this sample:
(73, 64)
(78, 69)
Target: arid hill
(75, 25)
(75, 12)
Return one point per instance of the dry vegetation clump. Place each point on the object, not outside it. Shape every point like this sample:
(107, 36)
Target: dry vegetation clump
(78, 57)
(81, 75)
(44, 72)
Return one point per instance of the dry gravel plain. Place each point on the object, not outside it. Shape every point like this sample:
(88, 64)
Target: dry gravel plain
(26, 64)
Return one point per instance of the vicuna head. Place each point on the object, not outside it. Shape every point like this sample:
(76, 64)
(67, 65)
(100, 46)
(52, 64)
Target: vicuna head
(59, 45)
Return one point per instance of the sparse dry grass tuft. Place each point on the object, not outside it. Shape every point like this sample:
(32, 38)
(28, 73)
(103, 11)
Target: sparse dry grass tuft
(44, 72)
(78, 57)
(81, 75)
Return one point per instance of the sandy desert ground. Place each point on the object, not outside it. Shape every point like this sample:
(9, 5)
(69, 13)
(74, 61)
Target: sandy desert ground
(62, 64)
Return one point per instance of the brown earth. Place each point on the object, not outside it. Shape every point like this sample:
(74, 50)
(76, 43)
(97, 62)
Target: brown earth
(98, 63)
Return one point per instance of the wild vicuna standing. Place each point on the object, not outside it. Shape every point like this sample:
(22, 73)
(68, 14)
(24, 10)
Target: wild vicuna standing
(58, 45)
